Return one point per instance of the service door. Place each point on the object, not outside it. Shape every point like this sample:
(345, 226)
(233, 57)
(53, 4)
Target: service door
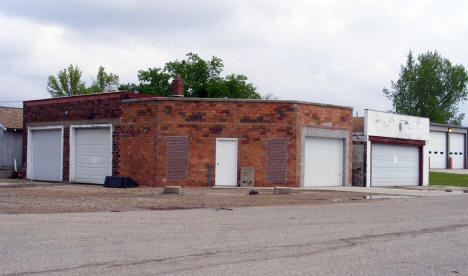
(93, 153)
(226, 162)
(437, 149)
(323, 162)
(457, 150)
(46, 154)
(394, 165)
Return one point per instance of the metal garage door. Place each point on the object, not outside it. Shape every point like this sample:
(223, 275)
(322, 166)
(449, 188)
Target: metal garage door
(323, 162)
(456, 151)
(92, 162)
(437, 149)
(46, 155)
(394, 165)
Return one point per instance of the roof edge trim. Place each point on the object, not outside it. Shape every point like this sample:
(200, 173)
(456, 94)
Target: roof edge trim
(232, 100)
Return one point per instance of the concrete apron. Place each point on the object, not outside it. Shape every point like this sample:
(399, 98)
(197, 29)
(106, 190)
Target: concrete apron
(372, 190)
(454, 171)
(387, 191)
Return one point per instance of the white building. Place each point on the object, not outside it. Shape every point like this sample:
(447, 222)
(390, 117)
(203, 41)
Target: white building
(447, 147)
(393, 150)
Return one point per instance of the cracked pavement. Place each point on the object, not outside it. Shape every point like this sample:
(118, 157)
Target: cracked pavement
(417, 236)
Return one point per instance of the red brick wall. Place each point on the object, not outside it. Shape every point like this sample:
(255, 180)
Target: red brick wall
(203, 121)
(145, 126)
(63, 111)
(105, 106)
(328, 118)
(138, 138)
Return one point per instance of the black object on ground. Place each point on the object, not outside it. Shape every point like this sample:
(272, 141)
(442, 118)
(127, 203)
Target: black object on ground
(119, 182)
(253, 192)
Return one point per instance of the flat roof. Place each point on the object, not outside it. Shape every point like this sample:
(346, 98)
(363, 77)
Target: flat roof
(93, 95)
(390, 112)
(231, 100)
(447, 125)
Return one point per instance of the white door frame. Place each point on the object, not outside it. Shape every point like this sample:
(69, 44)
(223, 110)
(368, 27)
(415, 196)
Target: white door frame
(72, 142)
(340, 142)
(30, 149)
(327, 133)
(237, 152)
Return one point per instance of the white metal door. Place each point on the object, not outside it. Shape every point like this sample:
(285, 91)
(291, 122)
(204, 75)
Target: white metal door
(437, 149)
(457, 150)
(226, 162)
(93, 151)
(323, 162)
(394, 165)
(46, 154)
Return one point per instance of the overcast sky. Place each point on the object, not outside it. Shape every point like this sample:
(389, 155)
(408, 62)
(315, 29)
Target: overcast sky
(337, 52)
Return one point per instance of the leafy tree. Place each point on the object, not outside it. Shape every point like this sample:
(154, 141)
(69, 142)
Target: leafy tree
(155, 81)
(105, 82)
(67, 83)
(132, 87)
(233, 86)
(202, 79)
(430, 87)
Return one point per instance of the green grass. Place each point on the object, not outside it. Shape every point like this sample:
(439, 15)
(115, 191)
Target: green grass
(448, 179)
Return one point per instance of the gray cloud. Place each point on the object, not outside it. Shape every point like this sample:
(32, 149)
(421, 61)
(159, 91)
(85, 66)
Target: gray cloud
(341, 52)
(121, 16)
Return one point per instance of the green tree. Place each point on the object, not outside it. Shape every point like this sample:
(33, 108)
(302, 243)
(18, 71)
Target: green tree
(155, 81)
(67, 83)
(105, 82)
(430, 87)
(202, 79)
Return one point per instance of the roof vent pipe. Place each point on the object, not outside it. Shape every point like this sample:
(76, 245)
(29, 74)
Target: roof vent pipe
(178, 87)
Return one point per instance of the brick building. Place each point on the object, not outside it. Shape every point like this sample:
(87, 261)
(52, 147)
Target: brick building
(48, 124)
(161, 141)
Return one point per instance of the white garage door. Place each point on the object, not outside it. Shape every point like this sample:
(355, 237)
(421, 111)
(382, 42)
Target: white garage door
(394, 165)
(456, 151)
(323, 162)
(46, 155)
(92, 162)
(437, 149)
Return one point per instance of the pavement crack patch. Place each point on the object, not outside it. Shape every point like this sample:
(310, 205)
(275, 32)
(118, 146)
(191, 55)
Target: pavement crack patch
(251, 255)
(307, 249)
(110, 264)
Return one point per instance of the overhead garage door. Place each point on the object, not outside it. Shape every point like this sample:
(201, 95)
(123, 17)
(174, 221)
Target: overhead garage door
(394, 165)
(46, 155)
(92, 162)
(323, 162)
(457, 150)
(437, 149)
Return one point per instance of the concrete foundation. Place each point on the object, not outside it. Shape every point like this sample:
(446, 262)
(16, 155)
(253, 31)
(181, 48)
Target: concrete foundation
(282, 190)
(172, 190)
